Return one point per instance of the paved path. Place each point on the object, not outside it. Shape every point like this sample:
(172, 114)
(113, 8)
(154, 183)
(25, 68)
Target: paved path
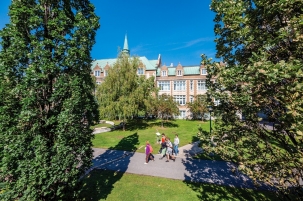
(184, 168)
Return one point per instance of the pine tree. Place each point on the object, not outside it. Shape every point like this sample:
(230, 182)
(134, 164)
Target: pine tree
(47, 103)
(261, 43)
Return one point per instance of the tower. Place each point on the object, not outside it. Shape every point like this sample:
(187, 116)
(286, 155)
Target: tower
(125, 49)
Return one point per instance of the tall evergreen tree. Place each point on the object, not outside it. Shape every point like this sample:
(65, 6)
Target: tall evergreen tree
(47, 103)
(261, 43)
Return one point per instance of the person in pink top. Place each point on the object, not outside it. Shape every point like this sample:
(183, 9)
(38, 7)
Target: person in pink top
(148, 153)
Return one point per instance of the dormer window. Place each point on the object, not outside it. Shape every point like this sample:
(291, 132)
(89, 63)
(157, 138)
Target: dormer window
(203, 71)
(140, 71)
(179, 72)
(164, 73)
(97, 73)
(105, 73)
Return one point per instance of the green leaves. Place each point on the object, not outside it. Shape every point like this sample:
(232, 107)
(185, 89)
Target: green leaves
(48, 105)
(261, 43)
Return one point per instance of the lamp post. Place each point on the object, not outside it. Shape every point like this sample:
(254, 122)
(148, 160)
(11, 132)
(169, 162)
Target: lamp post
(210, 110)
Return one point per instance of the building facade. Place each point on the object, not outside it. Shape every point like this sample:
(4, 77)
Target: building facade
(181, 82)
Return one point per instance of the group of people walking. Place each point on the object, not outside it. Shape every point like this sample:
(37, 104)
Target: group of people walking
(168, 150)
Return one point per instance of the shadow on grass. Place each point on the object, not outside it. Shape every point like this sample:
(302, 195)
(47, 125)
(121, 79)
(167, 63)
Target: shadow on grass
(169, 124)
(222, 173)
(95, 186)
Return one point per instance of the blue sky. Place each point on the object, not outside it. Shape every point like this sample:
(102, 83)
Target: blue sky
(178, 30)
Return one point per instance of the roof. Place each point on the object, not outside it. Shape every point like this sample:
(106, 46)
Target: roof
(188, 70)
(149, 64)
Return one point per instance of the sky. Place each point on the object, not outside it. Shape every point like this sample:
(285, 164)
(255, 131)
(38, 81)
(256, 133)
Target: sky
(178, 30)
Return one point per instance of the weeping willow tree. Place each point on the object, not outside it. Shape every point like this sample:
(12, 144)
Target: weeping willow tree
(47, 103)
(261, 43)
(124, 93)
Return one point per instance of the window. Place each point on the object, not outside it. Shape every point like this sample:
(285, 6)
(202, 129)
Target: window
(164, 85)
(203, 71)
(191, 99)
(98, 82)
(191, 85)
(182, 114)
(201, 85)
(180, 99)
(179, 72)
(164, 73)
(140, 71)
(97, 73)
(105, 73)
(179, 85)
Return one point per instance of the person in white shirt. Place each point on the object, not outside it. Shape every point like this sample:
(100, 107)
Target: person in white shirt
(176, 145)
(169, 150)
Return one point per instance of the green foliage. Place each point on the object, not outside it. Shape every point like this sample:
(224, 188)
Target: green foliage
(261, 43)
(47, 103)
(123, 93)
(164, 107)
(198, 107)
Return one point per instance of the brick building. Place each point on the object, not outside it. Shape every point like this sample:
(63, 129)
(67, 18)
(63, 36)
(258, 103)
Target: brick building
(181, 82)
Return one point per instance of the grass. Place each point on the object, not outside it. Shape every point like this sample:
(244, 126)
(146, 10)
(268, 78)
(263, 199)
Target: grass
(101, 125)
(146, 131)
(111, 185)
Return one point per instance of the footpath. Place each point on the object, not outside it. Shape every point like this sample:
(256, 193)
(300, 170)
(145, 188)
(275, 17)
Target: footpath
(184, 167)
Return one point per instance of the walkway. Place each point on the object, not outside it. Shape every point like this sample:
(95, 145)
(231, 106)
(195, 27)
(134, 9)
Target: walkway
(184, 168)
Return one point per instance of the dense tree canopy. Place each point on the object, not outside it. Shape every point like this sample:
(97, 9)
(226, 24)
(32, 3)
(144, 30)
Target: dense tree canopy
(198, 107)
(164, 107)
(124, 93)
(47, 103)
(262, 44)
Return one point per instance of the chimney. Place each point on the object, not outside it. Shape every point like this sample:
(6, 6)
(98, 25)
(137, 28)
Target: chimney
(171, 64)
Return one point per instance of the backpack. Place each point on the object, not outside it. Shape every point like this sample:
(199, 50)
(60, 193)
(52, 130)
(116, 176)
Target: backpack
(151, 149)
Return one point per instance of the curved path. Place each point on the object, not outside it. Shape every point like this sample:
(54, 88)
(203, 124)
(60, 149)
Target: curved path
(184, 168)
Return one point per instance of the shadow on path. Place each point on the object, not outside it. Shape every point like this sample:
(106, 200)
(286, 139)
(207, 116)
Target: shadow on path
(220, 173)
(93, 181)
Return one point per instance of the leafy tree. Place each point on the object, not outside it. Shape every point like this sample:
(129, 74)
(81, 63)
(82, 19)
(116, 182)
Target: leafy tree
(164, 107)
(198, 107)
(47, 103)
(261, 43)
(124, 93)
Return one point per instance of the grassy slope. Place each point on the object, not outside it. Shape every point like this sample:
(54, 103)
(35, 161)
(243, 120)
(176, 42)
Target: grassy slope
(110, 185)
(146, 130)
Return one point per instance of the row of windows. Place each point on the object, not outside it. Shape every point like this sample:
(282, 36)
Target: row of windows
(181, 99)
(97, 73)
(181, 85)
(140, 71)
(179, 72)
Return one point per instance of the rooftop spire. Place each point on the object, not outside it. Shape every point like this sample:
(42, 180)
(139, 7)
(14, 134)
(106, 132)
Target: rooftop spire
(125, 47)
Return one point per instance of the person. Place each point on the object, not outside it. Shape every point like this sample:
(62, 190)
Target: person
(176, 144)
(148, 151)
(169, 150)
(163, 143)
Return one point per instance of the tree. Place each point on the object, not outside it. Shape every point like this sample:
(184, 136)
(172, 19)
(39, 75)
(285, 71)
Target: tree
(261, 43)
(124, 93)
(47, 103)
(164, 107)
(198, 107)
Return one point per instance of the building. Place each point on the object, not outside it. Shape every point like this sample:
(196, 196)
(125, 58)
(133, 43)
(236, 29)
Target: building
(181, 82)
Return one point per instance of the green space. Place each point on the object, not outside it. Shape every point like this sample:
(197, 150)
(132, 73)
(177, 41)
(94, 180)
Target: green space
(111, 185)
(146, 130)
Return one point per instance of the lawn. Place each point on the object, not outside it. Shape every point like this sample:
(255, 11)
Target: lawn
(138, 132)
(110, 185)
